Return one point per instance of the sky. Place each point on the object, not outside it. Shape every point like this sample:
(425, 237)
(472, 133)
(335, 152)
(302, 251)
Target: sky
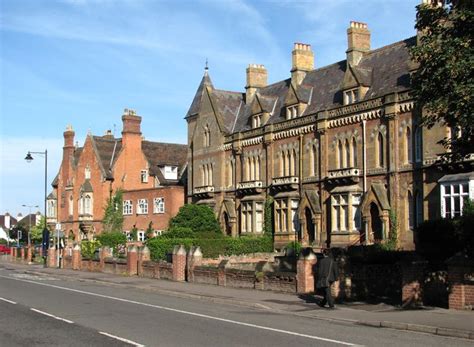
(81, 62)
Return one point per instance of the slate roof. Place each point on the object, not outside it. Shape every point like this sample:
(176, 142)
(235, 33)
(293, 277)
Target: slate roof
(384, 70)
(13, 221)
(107, 149)
(160, 154)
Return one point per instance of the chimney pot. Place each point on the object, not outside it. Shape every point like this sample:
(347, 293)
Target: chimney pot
(358, 42)
(302, 62)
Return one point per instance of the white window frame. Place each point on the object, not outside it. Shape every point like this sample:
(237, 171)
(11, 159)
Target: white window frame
(453, 195)
(258, 217)
(340, 212)
(142, 206)
(140, 235)
(292, 112)
(351, 96)
(127, 207)
(144, 176)
(246, 209)
(51, 209)
(159, 205)
(87, 173)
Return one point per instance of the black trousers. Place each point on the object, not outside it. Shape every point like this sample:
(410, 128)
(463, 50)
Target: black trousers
(326, 291)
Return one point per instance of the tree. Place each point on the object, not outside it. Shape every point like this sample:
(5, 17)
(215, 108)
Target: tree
(443, 85)
(199, 218)
(113, 213)
(37, 230)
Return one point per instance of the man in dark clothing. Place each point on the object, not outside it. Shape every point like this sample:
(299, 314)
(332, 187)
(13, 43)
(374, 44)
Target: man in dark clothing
(327, 274)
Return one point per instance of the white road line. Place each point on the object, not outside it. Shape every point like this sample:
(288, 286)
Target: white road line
(6, 300)
(185, 312)
(121, 339)
(52, 316)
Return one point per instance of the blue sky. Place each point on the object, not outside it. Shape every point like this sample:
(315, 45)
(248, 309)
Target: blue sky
(81, 62)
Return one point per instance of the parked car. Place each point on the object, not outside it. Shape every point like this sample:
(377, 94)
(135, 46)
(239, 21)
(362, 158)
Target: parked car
(4, 249)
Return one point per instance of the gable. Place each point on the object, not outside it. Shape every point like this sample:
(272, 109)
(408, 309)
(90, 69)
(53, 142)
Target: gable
(291, 97)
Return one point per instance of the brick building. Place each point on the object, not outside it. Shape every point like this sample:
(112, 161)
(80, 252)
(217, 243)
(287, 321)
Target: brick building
(338, 149)
(150, 174)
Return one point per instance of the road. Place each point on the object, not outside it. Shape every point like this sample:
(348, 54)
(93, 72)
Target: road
(40, 310)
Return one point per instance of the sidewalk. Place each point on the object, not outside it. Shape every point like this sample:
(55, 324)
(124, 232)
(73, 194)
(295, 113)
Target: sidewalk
(427, 320)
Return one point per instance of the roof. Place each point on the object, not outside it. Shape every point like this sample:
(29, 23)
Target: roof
(13, 221)
(466, 176)
(161, 154)
(384, 70)
(107, 149)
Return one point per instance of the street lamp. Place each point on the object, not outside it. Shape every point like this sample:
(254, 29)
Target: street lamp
(29, 158)
(29, 222)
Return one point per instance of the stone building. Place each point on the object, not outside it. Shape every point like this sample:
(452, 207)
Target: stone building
(336, 150)
(150, 174)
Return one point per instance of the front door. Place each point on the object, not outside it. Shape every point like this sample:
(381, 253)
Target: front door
(376, 223)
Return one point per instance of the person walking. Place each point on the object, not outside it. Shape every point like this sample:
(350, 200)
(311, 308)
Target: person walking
(327, 274)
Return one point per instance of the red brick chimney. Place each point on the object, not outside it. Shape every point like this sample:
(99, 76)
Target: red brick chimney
(131, 134)
(68, 152)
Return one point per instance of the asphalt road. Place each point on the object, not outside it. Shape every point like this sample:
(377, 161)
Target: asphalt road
(40, 310)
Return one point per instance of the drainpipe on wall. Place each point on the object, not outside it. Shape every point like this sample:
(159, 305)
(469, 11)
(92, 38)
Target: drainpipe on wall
(364, 155)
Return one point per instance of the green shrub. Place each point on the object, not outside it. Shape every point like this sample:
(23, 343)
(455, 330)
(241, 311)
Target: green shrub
(3, 242)
(178, 233)
(114, 240)
(211, 248)
(199, 218)
(88, 248)
(293, 248)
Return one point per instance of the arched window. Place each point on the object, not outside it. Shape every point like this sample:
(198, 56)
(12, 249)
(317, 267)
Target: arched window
(257, 168)
(410, 211)
(340, 155)
(418, 208)
(288, 163)
(313, 160)
(408, 146)
(207, 136)
(210, 175)
(354, 152)
(295, 163)
(418, 144)
(348, 154)
(380, 151)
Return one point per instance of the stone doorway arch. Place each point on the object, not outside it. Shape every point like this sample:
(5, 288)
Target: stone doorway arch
(375, 214)
(228, 218)
(376, 223)
(309, 215)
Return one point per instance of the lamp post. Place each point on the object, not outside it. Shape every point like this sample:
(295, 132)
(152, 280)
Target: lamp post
(29, 158)
(29, 222)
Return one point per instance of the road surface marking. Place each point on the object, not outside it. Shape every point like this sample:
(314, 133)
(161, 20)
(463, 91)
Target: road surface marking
(121, 339)
(52, 316)
(184, 312)
(6, 300)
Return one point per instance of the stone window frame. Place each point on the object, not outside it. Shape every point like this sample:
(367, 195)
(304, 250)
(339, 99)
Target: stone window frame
(159, 205)
(86, 204)
(142, 206)
(346, 212)
(207, 136)
(418, 139)
(87, 173)
(257, 120)
(141, 235)
(351, 96)
(127, 208)
(286, 215)
(51, 208)
(292, 111)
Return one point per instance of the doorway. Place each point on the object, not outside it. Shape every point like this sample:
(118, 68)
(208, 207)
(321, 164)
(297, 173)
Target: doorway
(309, 226)
(376, 223)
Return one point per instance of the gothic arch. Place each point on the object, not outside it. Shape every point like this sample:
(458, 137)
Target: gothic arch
(228, 218)
(375, 198)
(309, 215)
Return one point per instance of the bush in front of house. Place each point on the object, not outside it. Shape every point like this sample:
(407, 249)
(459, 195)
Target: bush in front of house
(211, 248)
(115, 240)
(199, 218)
(88, 248)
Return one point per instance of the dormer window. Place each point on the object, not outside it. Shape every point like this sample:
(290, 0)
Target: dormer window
(144, 176)
(171, 172)
(292, 112)
(351, 96)
(257, 120)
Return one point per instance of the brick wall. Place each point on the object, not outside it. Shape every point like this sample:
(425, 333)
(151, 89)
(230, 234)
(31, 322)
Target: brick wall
(461, 281)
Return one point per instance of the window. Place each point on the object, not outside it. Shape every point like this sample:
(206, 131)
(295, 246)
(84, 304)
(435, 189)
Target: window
(144, 176)
(379, 148)
(347, 162)
(340, 207)
(127, 207)
(142, 206)
(452, 198)
(295, 223)
(71, 205)
(159, 205)
(356, 214)
(207, 136)
(171, 172)
(313, 160)
(410, 211)
(418, 208)
(257, 120)
(354, 153)
(51, 209)
(280, 216)
(87, 204)
(141, 235)
(246, 209)
(418, 143)
(408, 146)
(292, 112)
(259, 217)
(230, 173)
(87, 173)
(340, 155)
(351, 96)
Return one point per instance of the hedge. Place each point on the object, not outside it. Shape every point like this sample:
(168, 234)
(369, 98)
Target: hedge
(211, 248)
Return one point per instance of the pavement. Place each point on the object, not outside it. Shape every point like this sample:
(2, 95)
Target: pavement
(432, 320)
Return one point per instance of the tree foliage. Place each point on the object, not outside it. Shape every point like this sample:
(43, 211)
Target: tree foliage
(115, 240)
(37, 230)
(113, 213)
(443, 84)
(199, 218)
